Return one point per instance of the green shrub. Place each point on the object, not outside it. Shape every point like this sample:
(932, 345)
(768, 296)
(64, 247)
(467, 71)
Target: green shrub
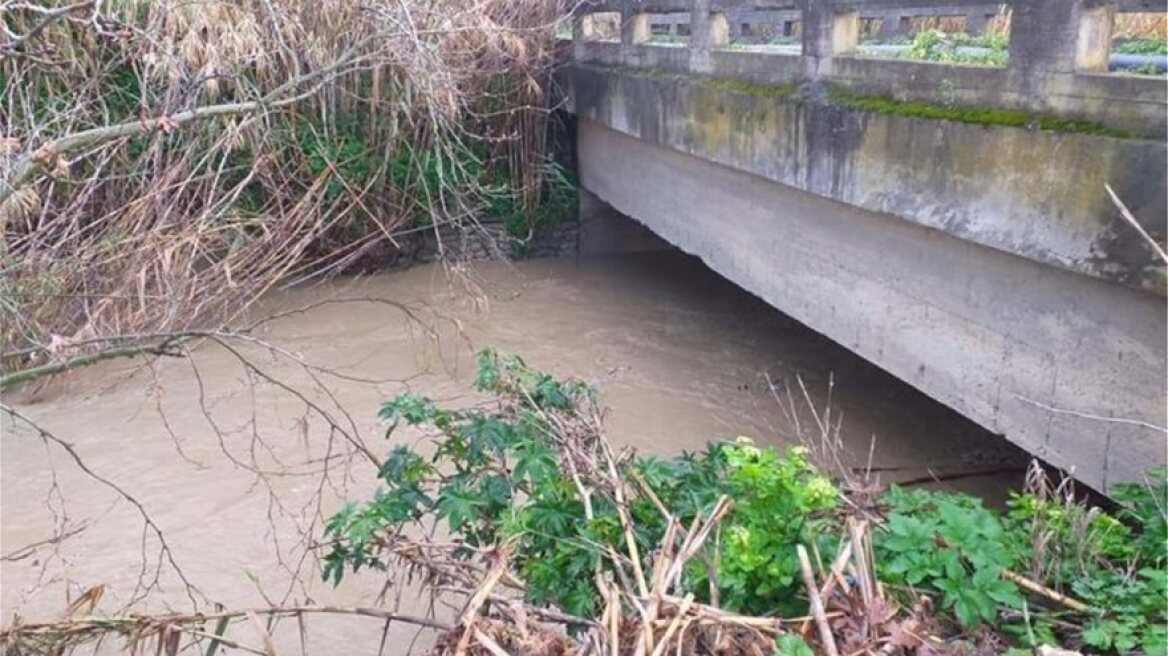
(495, 476)
(778, 499)
(498, 474)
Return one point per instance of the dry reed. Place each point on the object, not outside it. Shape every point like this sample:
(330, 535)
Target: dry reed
(162, 164)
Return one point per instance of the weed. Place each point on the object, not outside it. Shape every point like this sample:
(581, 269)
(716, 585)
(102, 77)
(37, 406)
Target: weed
(952, 544)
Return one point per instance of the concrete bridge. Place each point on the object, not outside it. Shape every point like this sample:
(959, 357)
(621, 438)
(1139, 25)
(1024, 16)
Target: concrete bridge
(948, 223)
(749, 24)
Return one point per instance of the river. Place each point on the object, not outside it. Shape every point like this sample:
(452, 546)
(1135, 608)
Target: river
(680, 355)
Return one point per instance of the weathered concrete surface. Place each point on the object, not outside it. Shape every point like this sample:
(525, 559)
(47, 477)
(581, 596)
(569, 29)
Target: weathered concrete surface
(1043, 355)
(1125, 102)
(1037, 194)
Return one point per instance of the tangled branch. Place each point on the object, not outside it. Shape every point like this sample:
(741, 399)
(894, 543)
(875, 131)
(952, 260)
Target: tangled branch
(163, 164)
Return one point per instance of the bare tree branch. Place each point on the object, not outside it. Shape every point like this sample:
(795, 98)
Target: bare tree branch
(165, 552)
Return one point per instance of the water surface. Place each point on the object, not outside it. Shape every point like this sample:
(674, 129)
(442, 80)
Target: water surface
(681, 356)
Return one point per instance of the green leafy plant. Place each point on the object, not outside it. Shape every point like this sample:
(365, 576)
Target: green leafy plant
(1112, 562)
(1141, 47)
(499, 476)
(1129, 609)
(792, 645)
(778, 499)
(952, 544)
(1145, 507)
(530, 471)
(495, 477)
(987, 49)
(557, 201)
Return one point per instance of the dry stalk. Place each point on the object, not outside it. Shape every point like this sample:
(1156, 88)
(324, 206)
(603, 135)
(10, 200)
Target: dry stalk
(163, 164)
(827, 640)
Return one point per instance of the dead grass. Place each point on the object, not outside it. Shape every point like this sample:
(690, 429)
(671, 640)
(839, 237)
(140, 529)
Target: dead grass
(1150, 25)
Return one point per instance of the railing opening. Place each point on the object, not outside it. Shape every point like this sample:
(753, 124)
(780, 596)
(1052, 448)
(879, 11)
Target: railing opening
(1047, 38)
(669, 29)
(980, 36)
(1139, 44)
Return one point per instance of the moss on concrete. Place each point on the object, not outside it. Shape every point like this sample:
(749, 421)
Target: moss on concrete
(995, 116)
(977, 115)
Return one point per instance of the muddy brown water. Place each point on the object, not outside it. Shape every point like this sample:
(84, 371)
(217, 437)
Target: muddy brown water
(680, 355)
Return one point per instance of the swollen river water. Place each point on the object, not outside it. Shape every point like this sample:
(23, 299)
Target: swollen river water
(680, 356)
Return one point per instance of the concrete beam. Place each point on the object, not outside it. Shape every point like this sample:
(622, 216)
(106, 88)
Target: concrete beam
(909, 6)
(1069, 367)
(1036, 194)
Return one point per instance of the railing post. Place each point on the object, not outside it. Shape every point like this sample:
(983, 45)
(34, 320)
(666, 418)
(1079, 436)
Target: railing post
(583, 29)
(827, 32)
(635, 28)
(1060, 36)
(719, 30)
(707, 30)
(889, 25)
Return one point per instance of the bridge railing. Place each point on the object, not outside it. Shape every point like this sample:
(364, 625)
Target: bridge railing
(1058, 52)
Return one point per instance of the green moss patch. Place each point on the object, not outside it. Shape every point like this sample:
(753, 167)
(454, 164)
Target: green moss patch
(995, 116)
(978, 115)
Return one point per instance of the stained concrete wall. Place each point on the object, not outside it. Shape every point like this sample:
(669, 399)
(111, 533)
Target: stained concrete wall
(1035, 193)
(1068, 366)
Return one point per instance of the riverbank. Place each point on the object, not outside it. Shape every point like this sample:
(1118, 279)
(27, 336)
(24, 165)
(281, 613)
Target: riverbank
(489, 239)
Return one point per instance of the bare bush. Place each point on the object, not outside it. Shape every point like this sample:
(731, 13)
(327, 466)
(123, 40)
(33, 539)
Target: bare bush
(162, 164)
